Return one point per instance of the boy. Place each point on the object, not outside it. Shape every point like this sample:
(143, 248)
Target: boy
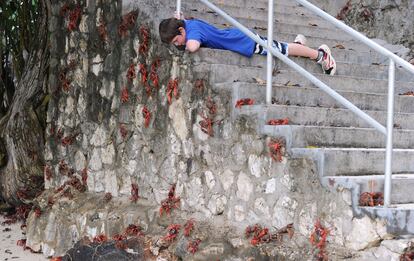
(192, 34)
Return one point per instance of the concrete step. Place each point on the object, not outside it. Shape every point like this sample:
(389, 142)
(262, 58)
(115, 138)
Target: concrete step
(282, 5)
(319, 116)
(222, 73)
(300, 136)
(198, 10)
(356, 161)
(402, 185)
(314, 97)
(377, 71)
(400, 217)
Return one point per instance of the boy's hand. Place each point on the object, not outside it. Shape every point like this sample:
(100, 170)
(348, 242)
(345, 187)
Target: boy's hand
(179, 15)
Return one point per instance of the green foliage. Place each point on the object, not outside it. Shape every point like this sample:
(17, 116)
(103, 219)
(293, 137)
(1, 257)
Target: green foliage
(18, 37)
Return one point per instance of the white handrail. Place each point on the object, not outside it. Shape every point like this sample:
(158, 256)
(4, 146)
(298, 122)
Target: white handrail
(390, 113)
(393, 59)
(269, 73)
(390, 128)
(375, 124)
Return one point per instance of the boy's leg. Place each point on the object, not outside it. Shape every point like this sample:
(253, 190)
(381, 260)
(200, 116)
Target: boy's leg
(303, 51)
(322, 56)
(282, 47)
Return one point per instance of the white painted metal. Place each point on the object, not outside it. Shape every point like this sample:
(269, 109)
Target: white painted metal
(179, 7)
(269, 54)
(390, 127)
(375, 124)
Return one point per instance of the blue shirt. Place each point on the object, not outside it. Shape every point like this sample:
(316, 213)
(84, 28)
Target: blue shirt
(227, 39)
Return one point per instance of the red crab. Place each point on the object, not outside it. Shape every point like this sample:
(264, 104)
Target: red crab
(84, 175)
(275, 150)
(243, 102)
(173, 231)
(284, 121)
(188, 227)
(100, 238)
(371, 199)
(170, 202)
(123, 131)
(133, 230)
(103, 33)
(259, 236)
(74, 16)
(47, 172)
(192, 246)
(134, 192)
(206, 125)
(131, 75)
(153, 74)
(172, 89)
(107, 197)
(199, 85)
(318, 240)
(147, 116)
(124, 95)
(211, 106)
(145, 35)
(144, 73)
(127, 23)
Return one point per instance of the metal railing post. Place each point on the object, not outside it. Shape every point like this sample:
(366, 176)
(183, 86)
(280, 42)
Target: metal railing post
(269, 54)
(179, 7)
(390, 127)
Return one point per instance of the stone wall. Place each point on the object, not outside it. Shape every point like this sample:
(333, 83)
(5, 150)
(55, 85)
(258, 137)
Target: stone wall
(97, 137)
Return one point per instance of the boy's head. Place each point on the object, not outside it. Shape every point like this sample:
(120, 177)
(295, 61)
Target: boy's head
(172, 30)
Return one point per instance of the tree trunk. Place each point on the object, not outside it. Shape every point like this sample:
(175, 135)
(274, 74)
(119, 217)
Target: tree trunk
(22, 128)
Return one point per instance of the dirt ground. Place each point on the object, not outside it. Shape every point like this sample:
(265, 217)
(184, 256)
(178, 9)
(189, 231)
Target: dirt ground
(9, 250)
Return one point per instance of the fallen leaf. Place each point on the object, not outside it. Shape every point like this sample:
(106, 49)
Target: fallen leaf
(339, 46)
(259, 81)
(289, 84)
(259, 28)
(312, 24)
(311, 147)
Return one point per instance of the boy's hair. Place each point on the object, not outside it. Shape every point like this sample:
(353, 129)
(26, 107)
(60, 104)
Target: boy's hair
(169, 29)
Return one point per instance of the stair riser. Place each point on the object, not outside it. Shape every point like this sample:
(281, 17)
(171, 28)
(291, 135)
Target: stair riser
(399, 221)
(346, 69)
(228, 73)
(321, 116)
(354, 163)
(278, 5)
(314, 97)
(289, 14)
(301, 137)
(400, 190)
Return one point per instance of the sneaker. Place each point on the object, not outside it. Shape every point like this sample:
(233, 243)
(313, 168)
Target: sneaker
(300, 39)
(327, 61)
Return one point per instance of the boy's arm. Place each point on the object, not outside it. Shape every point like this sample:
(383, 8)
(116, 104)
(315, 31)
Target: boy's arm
(192, 45)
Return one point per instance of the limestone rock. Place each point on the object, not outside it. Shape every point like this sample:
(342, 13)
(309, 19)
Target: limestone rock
(227, 179)
(244, 187)
(209, 179)
(363, 234)
(99, 137)
(178, 118)
(217, 204)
